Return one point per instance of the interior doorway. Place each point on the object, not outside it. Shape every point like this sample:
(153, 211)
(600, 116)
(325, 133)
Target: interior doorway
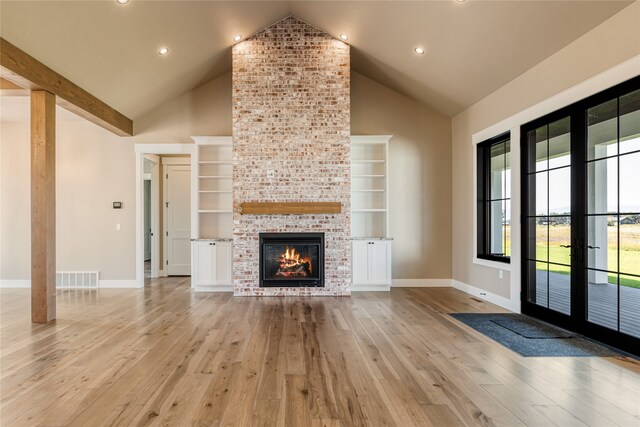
(151, 215)
(147, 227)
(162, 155)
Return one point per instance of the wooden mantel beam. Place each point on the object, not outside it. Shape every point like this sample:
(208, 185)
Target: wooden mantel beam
(290, 208)
(25, 71)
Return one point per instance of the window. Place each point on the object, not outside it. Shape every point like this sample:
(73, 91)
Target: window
(494, 199)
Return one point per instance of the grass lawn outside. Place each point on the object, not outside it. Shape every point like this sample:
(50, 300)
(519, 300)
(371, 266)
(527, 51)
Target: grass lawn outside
(629, 251)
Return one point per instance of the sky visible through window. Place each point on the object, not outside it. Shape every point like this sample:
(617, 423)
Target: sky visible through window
(560, 195)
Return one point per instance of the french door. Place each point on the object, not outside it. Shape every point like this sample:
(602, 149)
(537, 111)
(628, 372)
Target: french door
(581, 216)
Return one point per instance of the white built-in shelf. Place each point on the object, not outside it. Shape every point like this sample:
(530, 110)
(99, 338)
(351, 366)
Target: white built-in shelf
(212, 188)
(369, 195)
(212, 216)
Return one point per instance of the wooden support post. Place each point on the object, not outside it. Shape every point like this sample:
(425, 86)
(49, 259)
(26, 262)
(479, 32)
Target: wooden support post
(43, 206)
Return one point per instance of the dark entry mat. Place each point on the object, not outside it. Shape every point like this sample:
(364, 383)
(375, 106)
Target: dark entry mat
(532, 338)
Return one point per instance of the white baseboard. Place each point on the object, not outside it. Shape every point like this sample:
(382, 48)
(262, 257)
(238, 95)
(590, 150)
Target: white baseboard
(105, 284)
(10, 283)
(487, 296)
(119, 284)
(162, 273)
(370, 288)
(421, 283)
(212, 289)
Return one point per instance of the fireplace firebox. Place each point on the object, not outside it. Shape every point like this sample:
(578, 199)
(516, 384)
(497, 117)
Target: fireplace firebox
(292, 259)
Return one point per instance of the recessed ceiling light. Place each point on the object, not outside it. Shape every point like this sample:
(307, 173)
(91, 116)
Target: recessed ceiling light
(122, 1)
(460, 1)
(163, 51)
(237, 38)
(419, 50)
(344, 37)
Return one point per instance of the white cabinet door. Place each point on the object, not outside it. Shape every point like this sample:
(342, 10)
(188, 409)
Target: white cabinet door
(371, 264)
(360, 262)
(203, 263)
(380, 262)
(222, 263)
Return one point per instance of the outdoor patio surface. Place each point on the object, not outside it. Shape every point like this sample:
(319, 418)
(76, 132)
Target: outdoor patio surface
(602, 301)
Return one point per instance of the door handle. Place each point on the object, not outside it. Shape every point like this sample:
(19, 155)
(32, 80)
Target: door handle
(565, 246)
(593, 247)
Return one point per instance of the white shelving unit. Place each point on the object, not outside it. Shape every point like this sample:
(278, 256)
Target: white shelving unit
(369, 183)
(371, 246)
(213, 166)
(212, 229)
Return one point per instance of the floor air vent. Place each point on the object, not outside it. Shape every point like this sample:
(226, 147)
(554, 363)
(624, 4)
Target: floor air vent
(77, 279)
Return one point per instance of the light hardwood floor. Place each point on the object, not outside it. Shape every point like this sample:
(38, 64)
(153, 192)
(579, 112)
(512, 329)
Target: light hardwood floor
(164, 356)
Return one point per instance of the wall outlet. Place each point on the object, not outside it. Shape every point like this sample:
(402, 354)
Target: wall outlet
(117, 227)
(500, 275)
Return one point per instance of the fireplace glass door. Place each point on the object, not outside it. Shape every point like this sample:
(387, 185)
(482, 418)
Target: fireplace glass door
(291, 259)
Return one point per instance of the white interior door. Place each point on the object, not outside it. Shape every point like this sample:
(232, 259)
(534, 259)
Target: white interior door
(178, 209)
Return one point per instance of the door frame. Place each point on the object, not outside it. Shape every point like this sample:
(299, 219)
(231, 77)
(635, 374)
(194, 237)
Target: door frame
(578, 319)
(577, 200)
(140, 151)
(155, 214)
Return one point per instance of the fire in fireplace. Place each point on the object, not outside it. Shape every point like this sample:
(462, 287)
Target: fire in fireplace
(292, 259)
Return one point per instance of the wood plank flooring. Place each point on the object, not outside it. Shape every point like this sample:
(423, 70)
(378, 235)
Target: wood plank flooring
(162, 356)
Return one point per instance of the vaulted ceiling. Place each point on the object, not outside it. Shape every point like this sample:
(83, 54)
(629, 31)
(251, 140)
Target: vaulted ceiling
(471, 48)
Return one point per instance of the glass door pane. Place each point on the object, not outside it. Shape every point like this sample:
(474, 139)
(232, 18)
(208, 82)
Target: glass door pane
(549, 216)
(613, 214)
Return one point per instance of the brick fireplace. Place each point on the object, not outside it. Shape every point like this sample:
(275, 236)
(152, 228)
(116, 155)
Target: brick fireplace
(291, 128)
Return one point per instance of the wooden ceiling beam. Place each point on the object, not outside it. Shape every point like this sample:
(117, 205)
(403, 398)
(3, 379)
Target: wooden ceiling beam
(8, 88)
(24, 71)
(6, 84)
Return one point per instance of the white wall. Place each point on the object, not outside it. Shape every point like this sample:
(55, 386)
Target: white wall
(15, 214)
(419, 176)
(608, 45)
(93, 169)
(205, 110)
